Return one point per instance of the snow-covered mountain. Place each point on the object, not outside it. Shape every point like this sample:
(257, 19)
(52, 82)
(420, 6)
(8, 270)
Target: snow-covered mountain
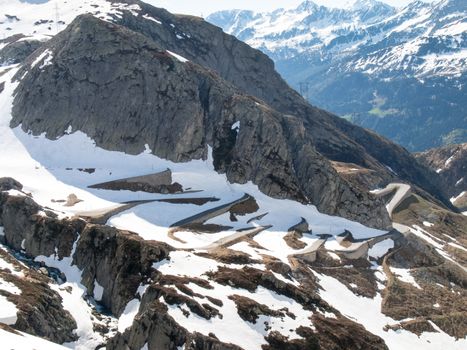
(308, 28)
(161, 187)
(384, 68)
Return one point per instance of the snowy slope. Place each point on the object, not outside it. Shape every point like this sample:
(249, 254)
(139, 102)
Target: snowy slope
(45, 19)
(23, 341)
(50, 172)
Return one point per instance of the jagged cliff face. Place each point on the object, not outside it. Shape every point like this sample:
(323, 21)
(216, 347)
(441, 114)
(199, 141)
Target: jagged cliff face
(376, 65)
(96, 74)
(17, 48)
(143, 293)
(450, 163)
(253, 72)
(250, 72)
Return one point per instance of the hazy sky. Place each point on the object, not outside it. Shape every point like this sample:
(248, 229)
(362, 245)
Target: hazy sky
(205, 7)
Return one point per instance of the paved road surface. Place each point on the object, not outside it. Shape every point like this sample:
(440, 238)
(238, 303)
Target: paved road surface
(402, 192)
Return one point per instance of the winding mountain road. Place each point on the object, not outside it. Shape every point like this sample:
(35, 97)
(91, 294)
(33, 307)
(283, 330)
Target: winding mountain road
(230, 240)
(402, 192)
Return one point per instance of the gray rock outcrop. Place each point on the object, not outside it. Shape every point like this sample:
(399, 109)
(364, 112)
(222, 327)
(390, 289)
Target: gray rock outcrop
(8, 183)
(119, 261)
(17, 48)
(253, 73)
(451, 164)
(125, 91)
(40, 310)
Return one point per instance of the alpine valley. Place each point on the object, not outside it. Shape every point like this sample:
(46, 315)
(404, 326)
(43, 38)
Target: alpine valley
(163, 188)
(400, 72)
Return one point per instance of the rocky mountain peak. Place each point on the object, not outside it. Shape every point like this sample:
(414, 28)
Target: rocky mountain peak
(450, 162)
(100, 62)
(367, 4)
(307, 6)
(372, 10)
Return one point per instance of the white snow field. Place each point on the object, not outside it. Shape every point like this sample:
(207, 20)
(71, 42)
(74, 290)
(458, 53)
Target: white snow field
(40, 20)
(367, 312)
(24, 341)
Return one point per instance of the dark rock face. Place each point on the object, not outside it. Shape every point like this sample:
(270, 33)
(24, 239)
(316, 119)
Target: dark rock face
(250, 310)
(17, 49)
(7, 184)
(42, 235)
(158, 330)
(118, 260)
(178, 109)
(40, 310)
(451, 164)
(253, 72)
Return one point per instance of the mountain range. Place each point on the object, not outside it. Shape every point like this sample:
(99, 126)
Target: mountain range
(162, 187)
(400, 72)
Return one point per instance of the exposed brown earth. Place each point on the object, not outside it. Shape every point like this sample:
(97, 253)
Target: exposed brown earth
(229, 256)
(292, 238)
(363, 178)
(442, 297)
(40, 310)
(330, 334)
(357, 275)
(249, 310)
(447, 228)
(450, 162)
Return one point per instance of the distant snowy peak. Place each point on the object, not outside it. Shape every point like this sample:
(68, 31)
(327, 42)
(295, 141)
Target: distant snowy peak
(307, 6)
(368, 36)
(308, 12)
(366, 4)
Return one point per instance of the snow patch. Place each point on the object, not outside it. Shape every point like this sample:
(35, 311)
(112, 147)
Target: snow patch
(236, 126)
(405, 276)
(98, 291)
(39, 58)
(460, 195)
(126, 318)
(9, 287)
(24, 341)
(8, 311)
(334, 256)
(368, 312)
(380, 249)
(131, 309)
(178, 57)
(146, 16)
